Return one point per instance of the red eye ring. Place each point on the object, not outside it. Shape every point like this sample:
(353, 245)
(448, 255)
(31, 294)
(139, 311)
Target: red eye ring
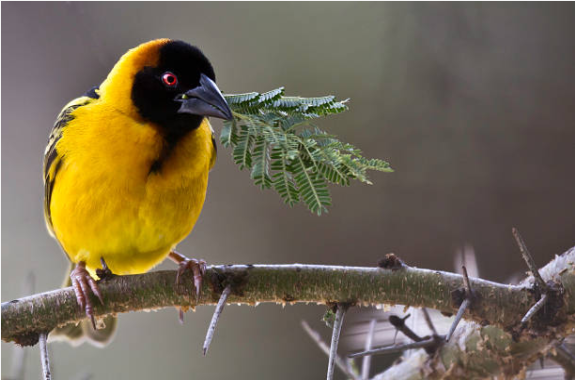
(169, 79)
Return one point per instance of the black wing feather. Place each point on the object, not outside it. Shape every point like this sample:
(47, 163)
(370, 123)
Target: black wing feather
(52, 159)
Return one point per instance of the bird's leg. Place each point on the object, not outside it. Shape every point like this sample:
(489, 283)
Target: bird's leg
(82, 283)
(198, 268)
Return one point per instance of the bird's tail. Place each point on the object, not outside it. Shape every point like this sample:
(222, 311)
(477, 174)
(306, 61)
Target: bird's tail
(76, 334)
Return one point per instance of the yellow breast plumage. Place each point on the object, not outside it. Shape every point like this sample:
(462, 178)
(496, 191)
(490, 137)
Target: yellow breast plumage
(106, 203)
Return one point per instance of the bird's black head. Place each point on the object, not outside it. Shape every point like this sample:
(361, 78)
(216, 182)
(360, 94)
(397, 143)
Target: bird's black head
(179, 91)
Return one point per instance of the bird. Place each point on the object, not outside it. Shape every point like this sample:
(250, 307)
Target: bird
(126, 170)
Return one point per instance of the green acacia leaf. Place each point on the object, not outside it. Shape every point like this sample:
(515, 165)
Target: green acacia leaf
(270, 97)
(260, 169)
(243, 151)
(235, 100)
(272, 135)
(229, 135)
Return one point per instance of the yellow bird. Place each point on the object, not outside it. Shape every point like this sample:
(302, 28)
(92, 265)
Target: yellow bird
(126, 167)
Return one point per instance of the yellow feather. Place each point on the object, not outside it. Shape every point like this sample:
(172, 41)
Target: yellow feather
(106, 204)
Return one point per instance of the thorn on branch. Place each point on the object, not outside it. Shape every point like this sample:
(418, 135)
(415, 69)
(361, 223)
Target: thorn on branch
(529, 260)
(430, 342)
(539, 283)
(341, 308)
(466, 282)
(399, 324)
(216, 317)
(534, 309)
(458, 317)
(464, 305)
(316, 337)
(44, 356)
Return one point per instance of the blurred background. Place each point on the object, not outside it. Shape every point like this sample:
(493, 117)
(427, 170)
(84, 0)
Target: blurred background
(472, 104)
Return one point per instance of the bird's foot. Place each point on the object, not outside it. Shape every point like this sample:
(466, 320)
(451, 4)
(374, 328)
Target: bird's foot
(83, 283)
(197, 267)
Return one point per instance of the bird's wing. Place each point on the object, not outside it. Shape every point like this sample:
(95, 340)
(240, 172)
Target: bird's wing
(215, 153)
(52, 159)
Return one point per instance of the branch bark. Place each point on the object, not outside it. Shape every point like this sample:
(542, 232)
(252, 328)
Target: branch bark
(479, 351)
(496, 310)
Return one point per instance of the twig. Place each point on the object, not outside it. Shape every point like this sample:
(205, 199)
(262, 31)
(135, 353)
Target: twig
(44, 356)
(399, 324)
(429, 321)
(339, 314)
(529, 260)
(339, 362)
(464, 305)
(366, 363)
(216, 317)
(396, 348)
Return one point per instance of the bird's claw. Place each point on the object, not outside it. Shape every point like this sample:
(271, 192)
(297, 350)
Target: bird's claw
(198, 268)
(83, 283)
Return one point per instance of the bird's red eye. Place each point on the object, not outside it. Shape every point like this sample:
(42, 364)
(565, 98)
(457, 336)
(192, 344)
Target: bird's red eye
(169, 79)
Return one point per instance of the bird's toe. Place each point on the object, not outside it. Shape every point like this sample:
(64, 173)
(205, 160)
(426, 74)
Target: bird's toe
(83, 284)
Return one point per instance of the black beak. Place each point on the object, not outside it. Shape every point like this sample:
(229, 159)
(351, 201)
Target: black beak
(205, 100)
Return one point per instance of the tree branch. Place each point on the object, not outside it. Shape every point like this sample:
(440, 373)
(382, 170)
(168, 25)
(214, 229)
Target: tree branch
(484, 351)
(495, 304)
